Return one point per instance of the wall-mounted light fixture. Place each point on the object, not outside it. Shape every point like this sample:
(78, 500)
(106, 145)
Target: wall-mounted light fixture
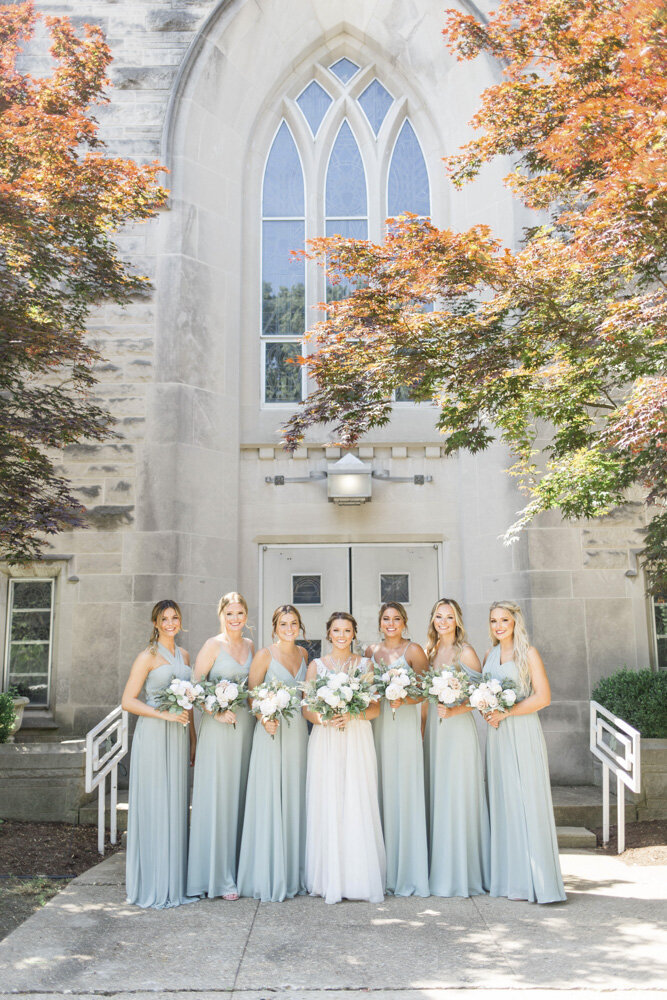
(349, 480)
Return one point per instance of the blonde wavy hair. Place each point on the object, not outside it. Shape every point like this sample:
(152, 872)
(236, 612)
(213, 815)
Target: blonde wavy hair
(432, 637)
(231, 598)
(520, 639)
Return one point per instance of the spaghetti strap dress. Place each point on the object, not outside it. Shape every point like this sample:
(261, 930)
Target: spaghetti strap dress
(524, 848)
(345, 856)
(157, 828)
(218, 796)
(458, 817)
(273, 844)
(398, 745)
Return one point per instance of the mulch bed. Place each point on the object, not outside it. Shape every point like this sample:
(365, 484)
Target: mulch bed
(645, 842)
(31, 854)
(29, 849)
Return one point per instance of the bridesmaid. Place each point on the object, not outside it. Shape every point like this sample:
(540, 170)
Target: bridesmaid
(457, 814)
(221, 771)
(272, 859)
(398, 745)
(157, 833)
(524, 849)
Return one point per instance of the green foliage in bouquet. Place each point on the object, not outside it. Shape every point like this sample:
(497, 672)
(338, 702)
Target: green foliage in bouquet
(639, 697)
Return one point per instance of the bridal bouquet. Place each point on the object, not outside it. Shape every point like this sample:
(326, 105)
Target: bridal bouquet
(396, 683)
(447, 686)
(491, 694)
(339, 693)
(179, 695)
(224, 695)
(275, 701)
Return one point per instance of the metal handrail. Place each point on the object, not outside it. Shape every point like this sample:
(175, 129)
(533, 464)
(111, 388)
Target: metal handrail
(607, 732)
(110, 735)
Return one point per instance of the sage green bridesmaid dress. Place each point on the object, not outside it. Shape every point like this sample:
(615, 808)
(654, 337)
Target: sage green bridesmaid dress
(458, 817)
(398, 745)
(524, 847)
(218, 796)
(157, 828)
(273, 844)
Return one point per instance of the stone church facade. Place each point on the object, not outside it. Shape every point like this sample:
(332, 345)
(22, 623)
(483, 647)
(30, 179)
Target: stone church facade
(280, 120)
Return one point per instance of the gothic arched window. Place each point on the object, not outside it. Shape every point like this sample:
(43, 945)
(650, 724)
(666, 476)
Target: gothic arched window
(365, 164)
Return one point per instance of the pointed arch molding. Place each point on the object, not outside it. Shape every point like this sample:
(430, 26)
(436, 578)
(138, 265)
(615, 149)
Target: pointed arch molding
(196, 54)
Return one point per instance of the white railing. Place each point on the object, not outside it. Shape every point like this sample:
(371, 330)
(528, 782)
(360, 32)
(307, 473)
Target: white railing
(106, 745)
(608, 734)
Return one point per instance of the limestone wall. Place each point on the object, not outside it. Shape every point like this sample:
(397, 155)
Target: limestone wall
(178, 504)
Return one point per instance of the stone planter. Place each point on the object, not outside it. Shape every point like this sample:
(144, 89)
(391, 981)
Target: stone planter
(19, 705)
(651, 802)
(43, 781)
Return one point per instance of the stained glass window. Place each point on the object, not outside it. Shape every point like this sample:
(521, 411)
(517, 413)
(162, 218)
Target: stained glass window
(395, 587)
(408, 189)
(376, 101)
(314, 103)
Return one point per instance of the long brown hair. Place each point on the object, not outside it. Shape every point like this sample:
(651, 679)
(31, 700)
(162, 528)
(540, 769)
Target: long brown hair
(285, 609)
(397, 607)
(158, 610)
(346, 617)
(432, 637)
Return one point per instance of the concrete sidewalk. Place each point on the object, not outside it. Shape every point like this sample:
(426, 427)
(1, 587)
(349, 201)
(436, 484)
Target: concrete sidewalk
(609, 936)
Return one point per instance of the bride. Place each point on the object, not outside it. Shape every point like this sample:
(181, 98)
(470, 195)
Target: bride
(345, 856)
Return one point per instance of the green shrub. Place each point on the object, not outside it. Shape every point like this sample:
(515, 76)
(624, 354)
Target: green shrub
(7, 716)
(637, 696)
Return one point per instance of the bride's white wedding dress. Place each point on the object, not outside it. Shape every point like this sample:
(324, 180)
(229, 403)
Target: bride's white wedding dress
(345, 856)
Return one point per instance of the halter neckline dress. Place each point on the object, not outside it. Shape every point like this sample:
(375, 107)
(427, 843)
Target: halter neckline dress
(157, 829)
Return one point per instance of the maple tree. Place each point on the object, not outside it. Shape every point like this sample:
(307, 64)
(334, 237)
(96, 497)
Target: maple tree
(61, 201)
(565, 332)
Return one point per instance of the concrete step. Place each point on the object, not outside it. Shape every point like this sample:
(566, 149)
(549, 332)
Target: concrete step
(578, 805)
(575, 806)
(575, 836)
(88, 812)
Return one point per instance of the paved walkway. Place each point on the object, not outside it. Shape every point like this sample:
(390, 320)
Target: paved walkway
(611, 935)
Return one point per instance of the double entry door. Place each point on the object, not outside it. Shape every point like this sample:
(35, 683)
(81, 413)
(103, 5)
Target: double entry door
(320, 579)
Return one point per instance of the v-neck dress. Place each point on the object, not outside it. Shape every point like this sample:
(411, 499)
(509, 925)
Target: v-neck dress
(157, 827)
(218, 796)
(524, 847)
(398, 744)
(457, 813)
(273, 844)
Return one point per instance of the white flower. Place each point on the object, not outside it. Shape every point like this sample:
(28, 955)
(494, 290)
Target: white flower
(394, 692)
(282, 698)
(268, 706)
(335, 681)
(509, 697)
(347, 692)
(447, 697)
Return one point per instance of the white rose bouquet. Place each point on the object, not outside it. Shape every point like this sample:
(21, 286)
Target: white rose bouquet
(339, 693)
(179, 695)
(396, 683)
(447, 686)
(224, 695)
(491, 695)
(275, 701)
